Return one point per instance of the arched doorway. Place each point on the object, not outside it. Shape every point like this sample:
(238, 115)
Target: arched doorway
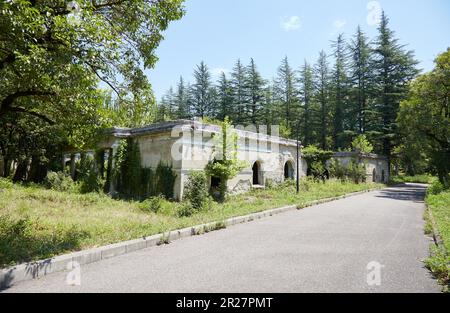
(288, 170)
(374, 176)
(256, 169)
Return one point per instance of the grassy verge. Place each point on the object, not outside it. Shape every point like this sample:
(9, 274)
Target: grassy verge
(423, 179)
(439, 260)
(37, 223)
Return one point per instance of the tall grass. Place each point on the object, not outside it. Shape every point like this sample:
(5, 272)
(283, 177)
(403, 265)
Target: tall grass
(439, 260)
(423, 179)
(49, 222)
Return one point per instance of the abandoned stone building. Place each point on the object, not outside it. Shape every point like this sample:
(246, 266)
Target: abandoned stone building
(187, 145)
(376, 165)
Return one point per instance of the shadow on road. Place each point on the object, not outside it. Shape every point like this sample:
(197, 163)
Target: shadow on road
(415, 193)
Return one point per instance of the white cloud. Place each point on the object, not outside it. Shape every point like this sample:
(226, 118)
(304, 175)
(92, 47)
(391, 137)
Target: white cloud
(291, 23)
(339, 23)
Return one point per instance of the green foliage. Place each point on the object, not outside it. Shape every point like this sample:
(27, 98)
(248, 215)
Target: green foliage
(24, 240)
(337, 170)
(165, 180)
(316, 160)
(196, 190)
(135, 182)
(362, 144)
(127, 173)
(423, 179)
(225, 165)
(424, 117)
(101, 220)
(52, 60)
(88, 176)
(148, 183)
(354, 171)
(186, 209)
(152, 204)
(439, 262)
(5, 183)
(435, 188)
(59, 181)
(318, 170)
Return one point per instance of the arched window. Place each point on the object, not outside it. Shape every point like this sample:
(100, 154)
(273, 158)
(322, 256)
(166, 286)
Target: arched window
(288, 170)
(256, 169)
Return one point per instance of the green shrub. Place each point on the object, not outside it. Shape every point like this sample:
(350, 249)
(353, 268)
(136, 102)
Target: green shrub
(89, 178)
(196, 190)
(307, 183)
(147, 186)
(5, 183)
(165, 180)
(316, 160)
(422, 178)
(186, 209)
(438, 263)
(435, 188)
(356, 172)
(24, 240)
(270, 184)
(153, 204)
(59, 181)
(318, 170)
(337, 170)
(362, 144)
(286, 184)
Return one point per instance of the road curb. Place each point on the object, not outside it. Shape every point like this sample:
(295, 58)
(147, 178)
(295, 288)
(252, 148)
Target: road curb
(41, 268)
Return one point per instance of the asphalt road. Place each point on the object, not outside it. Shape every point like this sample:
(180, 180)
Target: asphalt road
(324, 248)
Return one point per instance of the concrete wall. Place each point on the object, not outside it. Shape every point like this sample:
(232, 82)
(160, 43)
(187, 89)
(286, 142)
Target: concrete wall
(189, 146)
(196, 153)
(374, 164)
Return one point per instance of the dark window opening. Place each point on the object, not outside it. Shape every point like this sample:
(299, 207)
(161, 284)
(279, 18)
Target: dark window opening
(215, 182)
(255, 170)
(288, 170)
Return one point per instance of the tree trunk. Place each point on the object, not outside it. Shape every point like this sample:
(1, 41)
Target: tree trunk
(21, 171)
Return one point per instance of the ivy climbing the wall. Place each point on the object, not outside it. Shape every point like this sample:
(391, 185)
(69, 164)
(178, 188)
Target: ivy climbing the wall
(132, 181)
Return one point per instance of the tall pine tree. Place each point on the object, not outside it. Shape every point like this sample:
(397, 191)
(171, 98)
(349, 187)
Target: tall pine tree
(254, 84)
(394, 68)
(307, 92)
(360, 76)
(202, 92)
(224, 98)
(322, 84)
(286, 94)
(182, 100)
(239, 92)
(339, 91)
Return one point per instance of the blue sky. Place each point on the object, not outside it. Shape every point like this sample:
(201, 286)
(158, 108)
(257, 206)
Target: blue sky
(221, 31)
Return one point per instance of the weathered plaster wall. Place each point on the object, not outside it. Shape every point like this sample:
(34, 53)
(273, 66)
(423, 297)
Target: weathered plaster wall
(377, 163)
(195, 153)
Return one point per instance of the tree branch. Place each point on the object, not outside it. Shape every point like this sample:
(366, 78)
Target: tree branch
(23, 110)
(5, 104)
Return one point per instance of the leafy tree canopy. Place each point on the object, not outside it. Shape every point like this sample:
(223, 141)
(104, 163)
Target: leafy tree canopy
(54, 53)
(425, 116)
